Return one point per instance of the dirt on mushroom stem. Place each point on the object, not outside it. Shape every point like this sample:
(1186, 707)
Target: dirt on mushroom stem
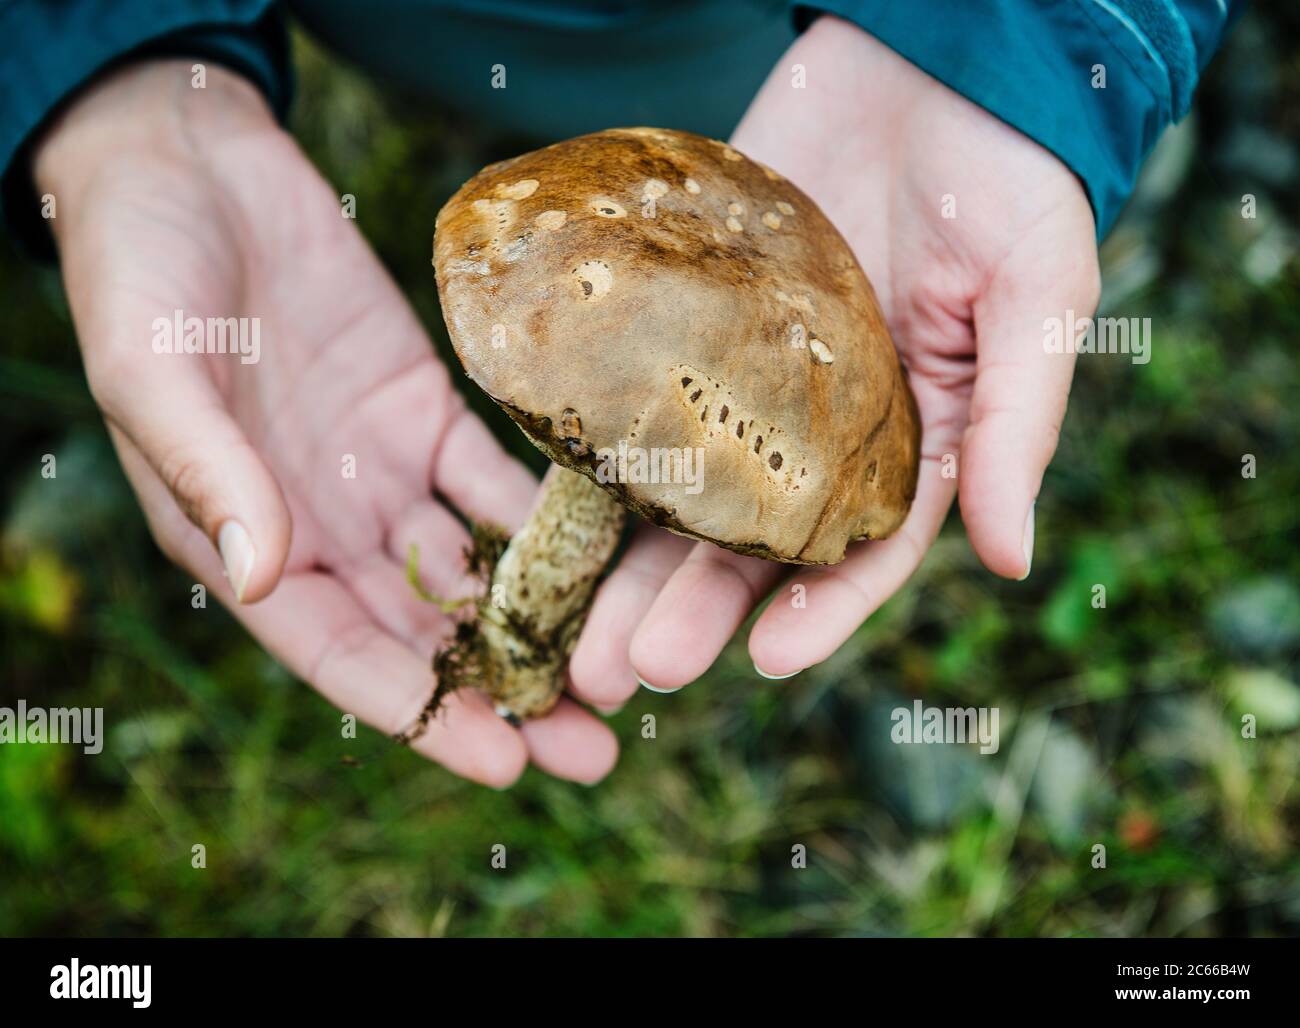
(516, 644)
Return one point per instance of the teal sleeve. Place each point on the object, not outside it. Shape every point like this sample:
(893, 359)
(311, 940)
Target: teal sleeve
(51, 50)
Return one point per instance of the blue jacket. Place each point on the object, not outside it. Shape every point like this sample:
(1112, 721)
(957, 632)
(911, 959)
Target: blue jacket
(1094, 81)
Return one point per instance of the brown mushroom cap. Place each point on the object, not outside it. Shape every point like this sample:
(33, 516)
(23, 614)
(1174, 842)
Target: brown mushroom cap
(660, 289)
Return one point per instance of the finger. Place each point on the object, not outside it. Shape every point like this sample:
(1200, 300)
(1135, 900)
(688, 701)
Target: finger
(600, 670)
(440, 542)
(325, 637)
(571, 743)
(383, 590)
(479, 478)
(815, 611)
(1017, 406)
(697, 611)
(316, 627)
(171, 411)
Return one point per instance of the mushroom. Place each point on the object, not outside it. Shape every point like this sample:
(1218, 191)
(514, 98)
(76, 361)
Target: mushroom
(685, 335)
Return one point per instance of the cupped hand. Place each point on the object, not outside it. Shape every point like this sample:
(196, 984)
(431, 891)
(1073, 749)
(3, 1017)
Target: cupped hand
(972, 236)
(292, 485)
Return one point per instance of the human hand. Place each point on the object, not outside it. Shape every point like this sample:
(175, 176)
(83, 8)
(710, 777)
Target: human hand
(879, 144)
(172, 198)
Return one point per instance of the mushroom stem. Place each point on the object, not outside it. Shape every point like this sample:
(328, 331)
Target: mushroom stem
(541, 589)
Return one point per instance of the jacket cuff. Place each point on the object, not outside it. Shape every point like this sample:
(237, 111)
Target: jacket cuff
(52, 51)
(1035, 64)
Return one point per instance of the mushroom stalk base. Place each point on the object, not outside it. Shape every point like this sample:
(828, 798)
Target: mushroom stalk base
(540, 588)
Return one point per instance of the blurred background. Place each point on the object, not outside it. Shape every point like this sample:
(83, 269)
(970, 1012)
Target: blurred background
(1120, 726)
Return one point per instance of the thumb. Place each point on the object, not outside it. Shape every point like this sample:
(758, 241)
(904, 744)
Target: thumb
(1018, 404)
(178, 421)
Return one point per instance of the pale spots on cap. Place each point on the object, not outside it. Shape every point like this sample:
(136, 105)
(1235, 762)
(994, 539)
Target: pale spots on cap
(728, 153)
(607, 208)
(501, 211)
(798, 301)
(797, 335)
(771, 220)
(594, 279)
(821, 351)
(501, 215)
(692, 187)
(549, 221)
(785, 208)
(736, 209)
(520, 190)
(471, 267)
(659, 136)
(734, 225)
(654, 188)
(774, 176)
(515, 249)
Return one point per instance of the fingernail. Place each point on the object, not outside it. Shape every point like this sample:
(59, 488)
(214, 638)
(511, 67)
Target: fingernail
(653, 688)
(237, 554)
(1027, 541)
(611, 711)
(775, 678)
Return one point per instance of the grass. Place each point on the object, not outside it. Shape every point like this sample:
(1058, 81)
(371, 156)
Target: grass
(1121, 726)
